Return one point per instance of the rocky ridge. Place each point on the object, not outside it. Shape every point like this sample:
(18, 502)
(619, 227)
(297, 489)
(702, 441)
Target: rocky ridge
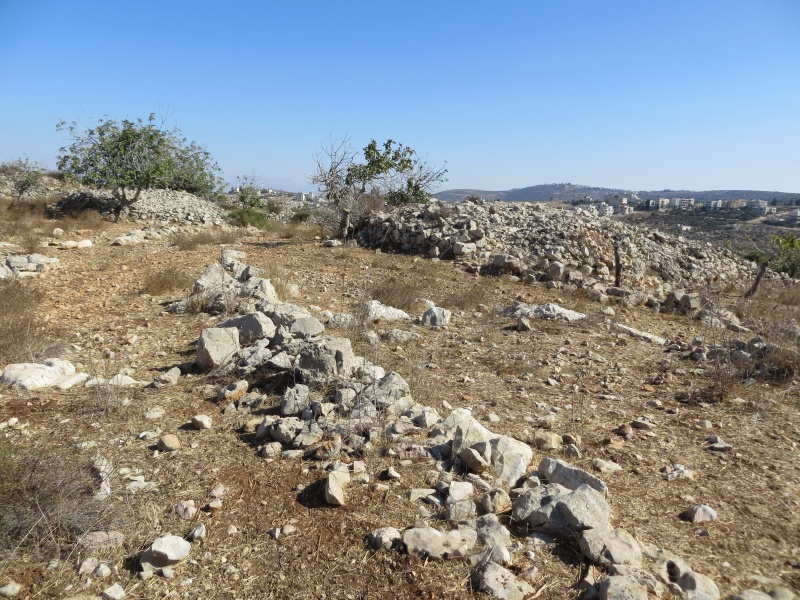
(537, 242)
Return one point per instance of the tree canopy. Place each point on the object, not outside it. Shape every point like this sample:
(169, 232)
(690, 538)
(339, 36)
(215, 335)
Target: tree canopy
(392, 173)
(127, 157)
(24, 175)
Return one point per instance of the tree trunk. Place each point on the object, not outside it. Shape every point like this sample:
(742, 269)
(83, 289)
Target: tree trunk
(762, 268)
(617, 266)
(344, 223)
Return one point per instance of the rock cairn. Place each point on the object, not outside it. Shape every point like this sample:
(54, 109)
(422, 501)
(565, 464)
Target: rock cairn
(538, 242)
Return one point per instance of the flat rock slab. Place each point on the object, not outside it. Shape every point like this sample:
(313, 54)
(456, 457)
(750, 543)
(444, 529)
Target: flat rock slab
(499, 582)
(432, 543)
(610, 547)
(32, 376)
(563, 473)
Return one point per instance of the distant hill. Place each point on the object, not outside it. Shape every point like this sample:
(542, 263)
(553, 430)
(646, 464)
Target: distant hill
(567, 192)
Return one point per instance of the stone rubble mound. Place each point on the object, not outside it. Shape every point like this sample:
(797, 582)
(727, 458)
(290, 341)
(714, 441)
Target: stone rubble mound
(165, 206)
(26, 265)
(538, 242)
(335, 404)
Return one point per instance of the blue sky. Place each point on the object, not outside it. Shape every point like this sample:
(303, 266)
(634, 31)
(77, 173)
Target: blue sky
(637, 94)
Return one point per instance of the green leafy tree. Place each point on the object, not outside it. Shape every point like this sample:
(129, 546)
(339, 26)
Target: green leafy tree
(24, 176)
(249, 194)
(392, 174)
(127, 157)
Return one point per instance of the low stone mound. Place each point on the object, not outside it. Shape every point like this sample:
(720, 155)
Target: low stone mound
(168, 206)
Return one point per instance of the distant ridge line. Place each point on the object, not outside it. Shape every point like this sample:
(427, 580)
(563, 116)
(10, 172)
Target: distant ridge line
(567, 192)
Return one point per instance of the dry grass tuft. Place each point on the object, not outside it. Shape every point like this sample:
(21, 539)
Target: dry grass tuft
(191, 242)
(167, 280)
(22, 336)
(46, 502)
(468, 297)
(400, 292)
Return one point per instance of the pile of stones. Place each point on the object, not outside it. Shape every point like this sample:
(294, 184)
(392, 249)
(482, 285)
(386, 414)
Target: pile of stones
(538, 242)
(163, 206)
(334, 405)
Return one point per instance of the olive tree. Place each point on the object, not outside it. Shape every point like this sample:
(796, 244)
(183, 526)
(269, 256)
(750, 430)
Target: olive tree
(23, 175)
(127, 157)
(392, 174)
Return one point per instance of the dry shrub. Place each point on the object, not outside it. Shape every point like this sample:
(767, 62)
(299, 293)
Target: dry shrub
(399, 292)
(21, 335)
(467, 298)
(46, 502)
(18, 219)
(191, 242)
(167, 280)
(88, 219)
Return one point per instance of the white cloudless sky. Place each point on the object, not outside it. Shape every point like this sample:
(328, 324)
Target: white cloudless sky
(617, 93)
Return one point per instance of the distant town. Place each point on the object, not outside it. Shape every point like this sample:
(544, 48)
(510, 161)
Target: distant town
(615, 204)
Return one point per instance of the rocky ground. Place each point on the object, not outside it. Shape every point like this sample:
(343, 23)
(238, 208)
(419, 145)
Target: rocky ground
(663, 427)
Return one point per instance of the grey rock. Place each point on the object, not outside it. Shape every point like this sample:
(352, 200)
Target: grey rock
(610, 547)
(384, 538)
(252, 327)
(398, 336)
(295, 399)
(436, 316)
(618, 587)
(285, 430)
(391, 395)
(751, 594)
(432, 543)
(510, 459)
(165, 551)
(558, 471)
(217, 347)
(32, 376)
(11, 589)
(335, 488)
(325, 359)
(499, 582)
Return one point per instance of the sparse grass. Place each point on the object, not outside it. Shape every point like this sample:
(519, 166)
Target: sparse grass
(22, 335)
(190, 242)
(168, 280)
(467, 298)
(25, 217)
(399, 292)
(46, 502)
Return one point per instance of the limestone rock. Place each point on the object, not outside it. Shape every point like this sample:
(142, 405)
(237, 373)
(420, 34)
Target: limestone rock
(252, 327)
(334, 488)
(499, 582)
(201, 422)
(217, 347)
(32, 376)
(165, 551)
(384, 538)
(169, 443)
(617, 587)
(380, 312)
(432, 543)
(436, 317)
(562, 473)
(325, 359)
(610, 547)
(700, 513)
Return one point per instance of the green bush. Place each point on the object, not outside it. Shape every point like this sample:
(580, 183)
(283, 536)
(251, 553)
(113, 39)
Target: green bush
(242, 217)
(301, 216)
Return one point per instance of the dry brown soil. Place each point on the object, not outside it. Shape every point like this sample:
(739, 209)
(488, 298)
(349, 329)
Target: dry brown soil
(95, 303)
